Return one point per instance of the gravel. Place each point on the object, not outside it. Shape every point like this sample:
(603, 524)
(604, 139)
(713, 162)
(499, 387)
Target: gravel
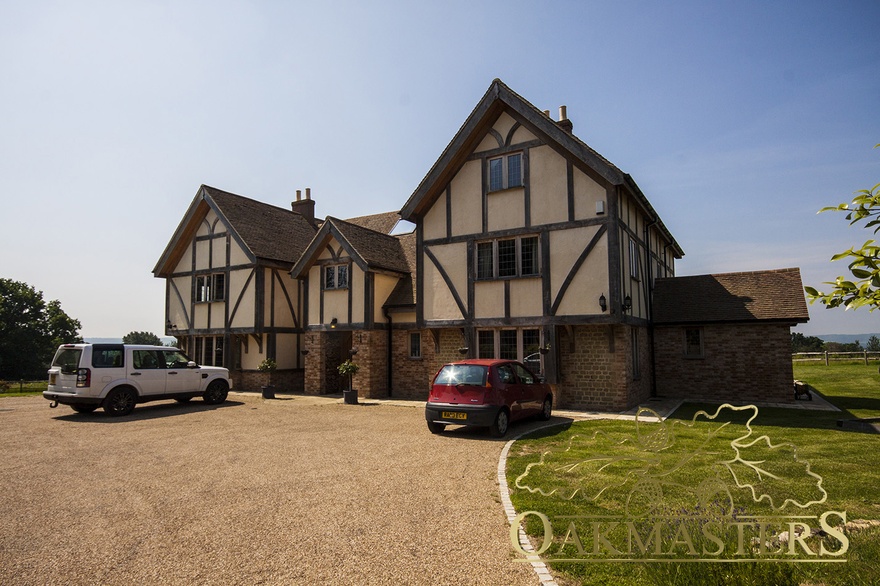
(288, 491)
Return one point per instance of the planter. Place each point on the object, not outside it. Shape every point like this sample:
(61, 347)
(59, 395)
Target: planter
(350, 397)
(268, 392)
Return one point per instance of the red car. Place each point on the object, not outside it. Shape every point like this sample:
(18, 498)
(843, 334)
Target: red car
(488, 393)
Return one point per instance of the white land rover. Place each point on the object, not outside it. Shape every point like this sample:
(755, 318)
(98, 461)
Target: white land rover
(118, 376)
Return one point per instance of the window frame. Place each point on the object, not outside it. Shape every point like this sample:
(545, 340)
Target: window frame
(496, 336)
(336, 270)
(210, 287)
(634, 260)
(504, 181)
(415, 351)
(701, 351)
(494, 265)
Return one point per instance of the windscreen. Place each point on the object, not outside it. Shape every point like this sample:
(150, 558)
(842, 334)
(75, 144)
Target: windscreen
(465, 374)
(67, 359)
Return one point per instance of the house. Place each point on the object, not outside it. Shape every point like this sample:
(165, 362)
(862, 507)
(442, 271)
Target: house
(526, 244)
(229, 299)
(532, 246)
(727, 336)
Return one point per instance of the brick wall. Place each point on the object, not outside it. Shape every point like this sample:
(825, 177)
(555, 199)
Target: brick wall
(321, 375)
(371, 381)
(285, 381)
(596, 368)
(740, 364)
(412, 377)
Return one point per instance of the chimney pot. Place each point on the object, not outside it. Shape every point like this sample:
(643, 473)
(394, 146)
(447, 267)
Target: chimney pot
(563, 113)
(308, 193)
(298, 194)
(547, 113)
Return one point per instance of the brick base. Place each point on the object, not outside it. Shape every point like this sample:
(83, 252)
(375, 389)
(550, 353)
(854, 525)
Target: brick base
(285, 381)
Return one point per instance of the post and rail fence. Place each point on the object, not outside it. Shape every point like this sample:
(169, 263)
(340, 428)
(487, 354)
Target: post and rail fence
(828, 357)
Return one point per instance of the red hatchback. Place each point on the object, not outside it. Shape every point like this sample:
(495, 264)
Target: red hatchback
(486, 393)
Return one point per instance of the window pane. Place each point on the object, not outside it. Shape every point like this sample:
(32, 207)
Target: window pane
(693, 343)
(496, 174)
(486, 343)
(219, 287)
(633, 259)
(341, 276)
(529, 247)
(508, 345)
(514, 170)
(329, 277)
(531, 342)
(218, 351)
(199, 358)
(484, 260)
(507, 258)
(415, 345)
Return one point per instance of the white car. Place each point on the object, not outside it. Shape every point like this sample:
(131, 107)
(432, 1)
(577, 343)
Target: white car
(118, 376)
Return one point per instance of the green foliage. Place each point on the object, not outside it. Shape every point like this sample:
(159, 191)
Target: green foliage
(863, 289)
(348, 368)
(873, 344)
(145, 338)
(30, 330)
(267, 365)
(802, 343)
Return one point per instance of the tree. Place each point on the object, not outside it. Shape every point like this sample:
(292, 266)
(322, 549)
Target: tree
(873, 344)
(30, 331)
(864, 288)
(146, 338)
(802, 343)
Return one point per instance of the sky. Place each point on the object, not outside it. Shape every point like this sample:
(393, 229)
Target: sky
(738, 120)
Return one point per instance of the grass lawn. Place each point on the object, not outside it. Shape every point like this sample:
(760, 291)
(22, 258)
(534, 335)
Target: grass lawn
(685, 468)
(19, 389)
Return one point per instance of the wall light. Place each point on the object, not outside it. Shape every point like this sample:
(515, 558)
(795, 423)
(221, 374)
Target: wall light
(627, 303)
(333, 322)
(603, 303)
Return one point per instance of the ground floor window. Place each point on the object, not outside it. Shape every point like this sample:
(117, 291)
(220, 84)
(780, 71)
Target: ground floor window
(693, 342)
(415, 345)
(208, 350)
(522, 344)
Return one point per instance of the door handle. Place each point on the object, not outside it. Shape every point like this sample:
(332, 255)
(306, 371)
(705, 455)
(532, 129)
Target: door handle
(173, 372)
(135, 374)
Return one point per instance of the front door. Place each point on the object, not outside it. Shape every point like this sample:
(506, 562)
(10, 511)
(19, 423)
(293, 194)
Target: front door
(338, 351)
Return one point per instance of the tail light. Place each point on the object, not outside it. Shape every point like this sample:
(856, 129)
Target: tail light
(83, 378)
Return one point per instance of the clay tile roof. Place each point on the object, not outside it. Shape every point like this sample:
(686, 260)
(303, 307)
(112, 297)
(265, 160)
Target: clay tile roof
(404, 294)
(379, 250)
(776, 295)
(383, 222)
(269, 231)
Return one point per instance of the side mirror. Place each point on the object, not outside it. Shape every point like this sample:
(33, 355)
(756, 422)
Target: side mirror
(191, 364)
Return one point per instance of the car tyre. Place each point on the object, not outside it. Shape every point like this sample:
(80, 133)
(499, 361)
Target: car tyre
(547, 409)
(500, 425)
(120, 402)
(435, 427)
(216, 392)
(84, 408)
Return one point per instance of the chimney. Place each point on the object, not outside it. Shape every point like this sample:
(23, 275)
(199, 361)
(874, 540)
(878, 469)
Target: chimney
(564, 123)
(304, 207)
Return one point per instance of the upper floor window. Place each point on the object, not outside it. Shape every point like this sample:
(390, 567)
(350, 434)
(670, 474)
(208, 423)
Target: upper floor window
(336, 277)
(505, 172)
(211, 288)
(633, 258)
(507, 257)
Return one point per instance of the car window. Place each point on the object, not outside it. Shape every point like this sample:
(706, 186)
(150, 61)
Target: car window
(175, 359)
(145, 359)
(505, 374)
(107, 357)
(67, 359)
(524, 375)
(466, 374)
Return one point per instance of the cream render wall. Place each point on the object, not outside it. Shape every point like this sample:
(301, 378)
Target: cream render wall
(522, 135)
(467, 206)
(242, 293)
(434, 224)
(218, 252)
(438, 300)
(184, 265)
(203, 258)
(590, 281)
(548, 186)
(586, 193)
(383, 286)
(489, 299)
(237, 255)
(178, 311)
(314, 292)
(525, 298)
(357, 280)
(506, 209)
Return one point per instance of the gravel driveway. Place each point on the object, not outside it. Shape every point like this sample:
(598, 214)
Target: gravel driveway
(289, 491)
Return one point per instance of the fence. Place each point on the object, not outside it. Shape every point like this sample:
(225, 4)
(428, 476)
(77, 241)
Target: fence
(863, 355)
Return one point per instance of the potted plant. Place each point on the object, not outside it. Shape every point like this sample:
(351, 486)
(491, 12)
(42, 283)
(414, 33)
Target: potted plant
(268, 366)
(349, 369)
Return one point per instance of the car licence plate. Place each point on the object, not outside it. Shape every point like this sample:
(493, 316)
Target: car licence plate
(453, 415)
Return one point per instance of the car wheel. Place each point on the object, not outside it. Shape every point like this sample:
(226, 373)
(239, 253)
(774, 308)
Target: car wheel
(435, 427)
(83, 408)
(547, 409)
(499, 427)
(182, 399)
(216, 392)
(120, 402)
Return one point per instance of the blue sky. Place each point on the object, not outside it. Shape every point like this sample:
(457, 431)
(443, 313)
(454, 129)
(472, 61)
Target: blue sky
(738, 120)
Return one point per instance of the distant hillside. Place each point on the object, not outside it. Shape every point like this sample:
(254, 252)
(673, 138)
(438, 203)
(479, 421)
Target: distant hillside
(847, 338)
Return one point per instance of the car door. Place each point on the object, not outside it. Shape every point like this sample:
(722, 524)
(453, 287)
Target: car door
(147, 371)
(180, 378)
(510, 390)
(531, 396)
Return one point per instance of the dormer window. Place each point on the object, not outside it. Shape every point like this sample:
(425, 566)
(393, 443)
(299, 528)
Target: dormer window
(336, 277)
(505, 172)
